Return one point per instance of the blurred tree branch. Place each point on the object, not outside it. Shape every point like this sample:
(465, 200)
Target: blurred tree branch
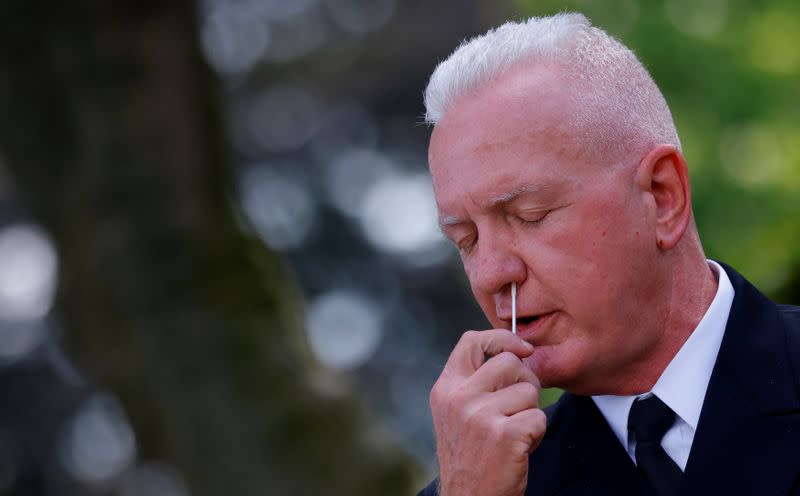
(111, 129)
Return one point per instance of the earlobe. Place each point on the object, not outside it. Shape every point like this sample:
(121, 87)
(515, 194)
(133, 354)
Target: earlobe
(664, 175)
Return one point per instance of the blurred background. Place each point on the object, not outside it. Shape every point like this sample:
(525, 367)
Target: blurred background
(220, 268)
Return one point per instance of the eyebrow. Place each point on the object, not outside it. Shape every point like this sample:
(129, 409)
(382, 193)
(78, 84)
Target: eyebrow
(522, 190)
(453, 220)
(450, 220)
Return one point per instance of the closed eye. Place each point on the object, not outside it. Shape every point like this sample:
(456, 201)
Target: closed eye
(466, 246)
(532, 219)
(463, 234)
(531, 222)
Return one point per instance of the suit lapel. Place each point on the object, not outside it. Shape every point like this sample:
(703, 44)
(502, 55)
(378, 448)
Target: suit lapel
(748, 435)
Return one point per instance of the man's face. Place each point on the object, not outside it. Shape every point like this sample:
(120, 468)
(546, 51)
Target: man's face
(524, 205)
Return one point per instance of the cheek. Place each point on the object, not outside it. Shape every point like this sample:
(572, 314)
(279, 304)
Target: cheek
(589, 255)
(607, 229)
(611, 259)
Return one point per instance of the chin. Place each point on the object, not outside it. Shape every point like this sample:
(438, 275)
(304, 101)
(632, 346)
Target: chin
(541, 364)
(554, 369)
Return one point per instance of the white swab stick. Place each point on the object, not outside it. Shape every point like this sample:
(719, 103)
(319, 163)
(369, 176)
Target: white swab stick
(514, 307)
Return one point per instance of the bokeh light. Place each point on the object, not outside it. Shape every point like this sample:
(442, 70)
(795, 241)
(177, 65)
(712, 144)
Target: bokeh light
(278, 10)
(360, 16)
(399, 215)
(344, 126)
(283, 117)
(18, 338)
(98, 444)
(28, 272)
(233, 39)
(773, 40)
(350, 174)
(281, 209)
(344, 328)
(704, 19)
(752, 156)
(297, 36)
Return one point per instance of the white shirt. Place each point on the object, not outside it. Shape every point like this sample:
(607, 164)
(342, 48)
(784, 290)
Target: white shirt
(682, 386)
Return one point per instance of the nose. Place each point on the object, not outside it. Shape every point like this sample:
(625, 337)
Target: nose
(495, 267)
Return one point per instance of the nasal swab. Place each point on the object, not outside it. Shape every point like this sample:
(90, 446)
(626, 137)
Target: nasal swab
(514, 307)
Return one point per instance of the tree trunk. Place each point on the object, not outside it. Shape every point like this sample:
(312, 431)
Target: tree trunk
(112, 134)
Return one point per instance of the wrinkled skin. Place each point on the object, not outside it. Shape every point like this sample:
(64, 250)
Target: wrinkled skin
(590, 241)
(487, 421)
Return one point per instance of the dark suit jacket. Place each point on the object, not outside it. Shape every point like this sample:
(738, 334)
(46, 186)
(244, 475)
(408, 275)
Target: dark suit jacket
(748, 436)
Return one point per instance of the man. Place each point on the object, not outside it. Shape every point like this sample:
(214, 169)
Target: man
(558, 170)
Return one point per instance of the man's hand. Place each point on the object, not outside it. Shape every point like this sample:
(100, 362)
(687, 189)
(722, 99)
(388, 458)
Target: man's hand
(486, 416)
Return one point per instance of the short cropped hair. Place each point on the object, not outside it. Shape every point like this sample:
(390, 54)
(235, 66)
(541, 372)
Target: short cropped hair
(616, 100)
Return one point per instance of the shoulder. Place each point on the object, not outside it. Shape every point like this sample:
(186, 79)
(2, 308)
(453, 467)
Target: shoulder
(565, 418)
(560, 412)
(765, 336)
(791, 313)
(550, 411)
(558, 458)
(791, 320)
(431, 489)
(567, 410)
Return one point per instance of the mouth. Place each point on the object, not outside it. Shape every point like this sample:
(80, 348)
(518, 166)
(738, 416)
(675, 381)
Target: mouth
(529, 325)
(527, 320)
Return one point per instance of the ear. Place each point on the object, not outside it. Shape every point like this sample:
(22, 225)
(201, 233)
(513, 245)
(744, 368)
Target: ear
(663, 175)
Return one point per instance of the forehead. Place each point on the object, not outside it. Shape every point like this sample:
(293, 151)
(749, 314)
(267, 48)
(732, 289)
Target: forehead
(514, 132)
(528, 98)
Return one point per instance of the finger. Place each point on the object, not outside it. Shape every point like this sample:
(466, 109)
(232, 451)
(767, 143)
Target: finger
(513, 399)
(473, 347)
(530, 425)
(501, 371)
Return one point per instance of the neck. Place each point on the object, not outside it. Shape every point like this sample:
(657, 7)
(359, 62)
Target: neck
(692, 286)
(689, 288)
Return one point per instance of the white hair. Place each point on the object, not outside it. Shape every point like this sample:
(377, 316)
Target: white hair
(618, 106)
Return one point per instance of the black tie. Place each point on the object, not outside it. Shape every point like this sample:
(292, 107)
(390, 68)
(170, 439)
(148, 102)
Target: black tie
(649, 420)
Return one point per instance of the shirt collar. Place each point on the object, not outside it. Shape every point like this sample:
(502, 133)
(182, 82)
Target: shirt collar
(683, 384)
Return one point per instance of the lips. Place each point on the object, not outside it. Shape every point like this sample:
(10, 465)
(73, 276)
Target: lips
(530, 325)
(527, 320)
